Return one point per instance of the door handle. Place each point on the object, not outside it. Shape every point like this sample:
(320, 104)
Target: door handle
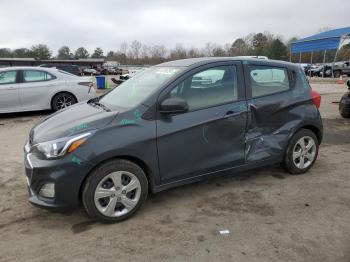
(252, 106)
(231, 113)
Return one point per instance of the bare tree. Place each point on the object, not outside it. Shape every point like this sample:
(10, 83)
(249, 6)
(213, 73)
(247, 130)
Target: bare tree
(123, 48)
(145, 52)
(208, 50)
(218, 51)
(158, 53)
(179, 52)
(193, 52)
(135, 49)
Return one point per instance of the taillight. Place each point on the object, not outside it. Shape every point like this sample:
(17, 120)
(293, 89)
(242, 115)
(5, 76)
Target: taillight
(316, 98)
(89, 84)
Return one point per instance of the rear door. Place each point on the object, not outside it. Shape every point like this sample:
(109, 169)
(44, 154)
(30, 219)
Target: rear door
(270, 102)
(9, 91)
(36, 88)
(211, 136)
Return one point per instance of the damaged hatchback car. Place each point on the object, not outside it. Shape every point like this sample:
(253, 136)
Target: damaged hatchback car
(172, 124)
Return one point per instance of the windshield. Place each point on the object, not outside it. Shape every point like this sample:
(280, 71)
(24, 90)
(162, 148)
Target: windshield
(139, 87)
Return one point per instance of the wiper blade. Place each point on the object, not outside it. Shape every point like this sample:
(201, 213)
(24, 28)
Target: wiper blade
(95, 102)
(103, 106)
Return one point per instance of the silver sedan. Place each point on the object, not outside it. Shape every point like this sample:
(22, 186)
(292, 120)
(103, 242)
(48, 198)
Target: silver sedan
(38, 88)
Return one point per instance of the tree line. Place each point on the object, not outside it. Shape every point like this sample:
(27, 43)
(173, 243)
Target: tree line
(262, 44)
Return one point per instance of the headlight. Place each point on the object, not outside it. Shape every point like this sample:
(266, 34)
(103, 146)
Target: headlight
(59, 147)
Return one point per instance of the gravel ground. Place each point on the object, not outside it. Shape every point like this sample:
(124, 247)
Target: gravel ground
(271, 215)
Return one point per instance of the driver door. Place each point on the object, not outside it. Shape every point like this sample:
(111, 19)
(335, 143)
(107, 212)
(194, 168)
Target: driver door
(211, 135)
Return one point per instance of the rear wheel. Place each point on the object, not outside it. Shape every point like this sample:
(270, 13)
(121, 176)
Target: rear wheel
(62, 100)
(115, 191)
(301, 152)
(344, 106)
(337, 74)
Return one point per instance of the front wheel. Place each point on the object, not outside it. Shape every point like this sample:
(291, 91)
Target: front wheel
(114, 191)
(301, 152)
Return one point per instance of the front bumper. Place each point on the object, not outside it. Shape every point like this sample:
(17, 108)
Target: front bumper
(67, 173)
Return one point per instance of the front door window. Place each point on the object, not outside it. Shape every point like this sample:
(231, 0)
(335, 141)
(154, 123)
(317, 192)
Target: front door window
(208, 88)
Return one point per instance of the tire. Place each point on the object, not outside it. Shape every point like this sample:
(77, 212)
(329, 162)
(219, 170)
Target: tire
(62, 100)
(101, 192)
(336, 74)
(291, 162)
(344, 106)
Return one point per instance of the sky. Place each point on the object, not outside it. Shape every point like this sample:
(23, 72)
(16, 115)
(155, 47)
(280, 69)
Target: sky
(108, 23)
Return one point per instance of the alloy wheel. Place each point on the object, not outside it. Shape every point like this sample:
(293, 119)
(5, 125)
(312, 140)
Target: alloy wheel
(304, 152)
(117, 194)
(64, 101)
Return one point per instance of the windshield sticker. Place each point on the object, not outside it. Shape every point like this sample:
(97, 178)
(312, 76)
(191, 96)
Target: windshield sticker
(137, 115)
(125, 122)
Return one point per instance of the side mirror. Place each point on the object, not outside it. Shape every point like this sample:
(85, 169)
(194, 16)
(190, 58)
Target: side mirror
(173, 105)
(348, 84)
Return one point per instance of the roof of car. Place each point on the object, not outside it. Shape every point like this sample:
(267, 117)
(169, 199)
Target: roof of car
(51, 70)
(204, 60)
(26, 68)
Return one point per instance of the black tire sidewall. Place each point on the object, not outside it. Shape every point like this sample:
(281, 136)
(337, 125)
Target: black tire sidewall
(288, 162)
(54, 100)
(344, 104)
(337, 74)
(99, 173)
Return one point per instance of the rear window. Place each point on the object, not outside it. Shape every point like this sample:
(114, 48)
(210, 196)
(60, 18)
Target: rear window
(36, 76)
(266, 80)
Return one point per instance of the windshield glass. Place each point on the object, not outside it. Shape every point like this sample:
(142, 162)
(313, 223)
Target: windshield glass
(139, 87)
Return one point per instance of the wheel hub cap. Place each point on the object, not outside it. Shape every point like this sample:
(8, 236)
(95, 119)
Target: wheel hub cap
(304, 152)
(64, 101)
(117, 193)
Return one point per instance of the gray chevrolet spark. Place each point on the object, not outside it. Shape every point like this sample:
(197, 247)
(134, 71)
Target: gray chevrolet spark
(169, 125)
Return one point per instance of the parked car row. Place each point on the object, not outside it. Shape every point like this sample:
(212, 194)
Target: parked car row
(344, 104)
(102, 71)
(327, 70)
(78, 71)
(41, 88)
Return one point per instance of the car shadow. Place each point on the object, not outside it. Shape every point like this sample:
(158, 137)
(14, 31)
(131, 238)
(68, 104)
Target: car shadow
(25, 114)
(224, 179)
(79, 222)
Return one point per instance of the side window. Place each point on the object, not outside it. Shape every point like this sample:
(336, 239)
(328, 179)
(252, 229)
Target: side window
(36, 76)
(211, 87)
(265, 80)
(8, 77)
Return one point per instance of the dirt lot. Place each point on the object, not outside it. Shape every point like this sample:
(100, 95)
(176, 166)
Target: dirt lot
(271, 215)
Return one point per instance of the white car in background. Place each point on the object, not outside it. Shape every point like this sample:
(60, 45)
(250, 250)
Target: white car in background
(39, 88)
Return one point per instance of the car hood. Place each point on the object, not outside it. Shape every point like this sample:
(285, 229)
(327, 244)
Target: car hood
(76, 119)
